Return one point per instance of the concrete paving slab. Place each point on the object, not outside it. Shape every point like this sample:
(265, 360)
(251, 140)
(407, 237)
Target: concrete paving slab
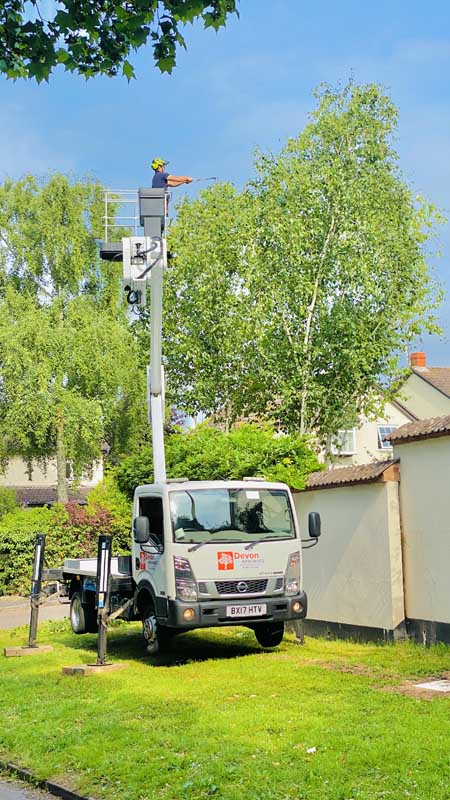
(25, 650)
(84, 670)
(435, 686)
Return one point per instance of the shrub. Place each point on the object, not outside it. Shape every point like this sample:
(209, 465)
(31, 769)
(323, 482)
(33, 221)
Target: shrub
(107, 495)
(71, 532)
(18, 531)
(8, 501)
(207, 453)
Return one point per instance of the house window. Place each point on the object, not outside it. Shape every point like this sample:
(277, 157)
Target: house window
(344, 443)
(383, 431)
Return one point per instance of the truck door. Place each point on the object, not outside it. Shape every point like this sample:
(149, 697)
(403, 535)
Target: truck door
(149, 558)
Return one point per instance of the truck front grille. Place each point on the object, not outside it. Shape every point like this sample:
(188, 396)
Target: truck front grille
(231, 587)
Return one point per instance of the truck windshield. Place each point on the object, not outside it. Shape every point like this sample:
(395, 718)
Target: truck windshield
(230, 515)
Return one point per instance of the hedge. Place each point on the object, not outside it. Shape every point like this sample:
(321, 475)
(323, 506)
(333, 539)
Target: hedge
(71, 531)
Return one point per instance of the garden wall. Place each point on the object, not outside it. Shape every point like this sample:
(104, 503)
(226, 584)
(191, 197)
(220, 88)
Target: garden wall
(354, 577)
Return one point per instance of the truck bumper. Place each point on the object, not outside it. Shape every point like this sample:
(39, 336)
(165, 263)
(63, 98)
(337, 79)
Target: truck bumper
(213, 613)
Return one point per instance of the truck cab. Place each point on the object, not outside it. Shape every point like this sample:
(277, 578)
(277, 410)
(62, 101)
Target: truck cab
(216, 553)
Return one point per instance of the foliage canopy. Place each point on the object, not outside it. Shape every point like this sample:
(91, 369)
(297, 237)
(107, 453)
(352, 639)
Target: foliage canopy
(97, 38)
(68, 362)
(297, 297)
(208, 453)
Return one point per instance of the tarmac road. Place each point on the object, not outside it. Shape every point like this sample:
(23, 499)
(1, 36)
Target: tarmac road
(18, 791)
(15, 611)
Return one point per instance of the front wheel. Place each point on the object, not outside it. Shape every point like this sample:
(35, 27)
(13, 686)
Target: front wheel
(269, 634)
(155, 636)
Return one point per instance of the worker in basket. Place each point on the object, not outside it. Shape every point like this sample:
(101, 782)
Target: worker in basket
(162, 179)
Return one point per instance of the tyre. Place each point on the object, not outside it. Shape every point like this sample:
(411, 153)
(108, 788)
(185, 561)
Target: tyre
(156, 638)
(77, 616)
(269, 634)
(82, 617)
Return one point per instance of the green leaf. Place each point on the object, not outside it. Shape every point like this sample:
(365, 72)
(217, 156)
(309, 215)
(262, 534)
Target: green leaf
(128, 70)
(99, 37)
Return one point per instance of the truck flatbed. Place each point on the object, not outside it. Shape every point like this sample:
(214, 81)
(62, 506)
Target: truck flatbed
(121, 577)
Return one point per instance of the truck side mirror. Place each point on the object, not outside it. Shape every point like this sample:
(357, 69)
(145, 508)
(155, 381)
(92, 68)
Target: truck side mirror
(141, 529)
(314, 525)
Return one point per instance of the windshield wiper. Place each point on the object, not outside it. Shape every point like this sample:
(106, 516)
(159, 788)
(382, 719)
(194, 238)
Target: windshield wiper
(257, 541)
(208, 541)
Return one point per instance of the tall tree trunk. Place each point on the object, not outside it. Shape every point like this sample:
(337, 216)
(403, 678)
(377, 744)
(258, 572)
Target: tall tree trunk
(61, 461)
(308, 328)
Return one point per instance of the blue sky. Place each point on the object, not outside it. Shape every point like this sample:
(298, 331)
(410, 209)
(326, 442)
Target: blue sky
(249, 85)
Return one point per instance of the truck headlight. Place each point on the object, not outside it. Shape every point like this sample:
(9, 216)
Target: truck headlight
(292, 575)
(185, 583)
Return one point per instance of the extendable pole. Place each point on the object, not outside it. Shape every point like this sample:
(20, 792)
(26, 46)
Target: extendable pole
(102, 596)
(36, 583)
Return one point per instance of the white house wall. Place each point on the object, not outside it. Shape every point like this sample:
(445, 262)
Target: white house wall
(425, 508)
(16, 474)
(423, 399)
(366, 438)
(354, 576)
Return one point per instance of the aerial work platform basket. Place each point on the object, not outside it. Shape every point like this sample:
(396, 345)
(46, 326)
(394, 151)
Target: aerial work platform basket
(131, 212)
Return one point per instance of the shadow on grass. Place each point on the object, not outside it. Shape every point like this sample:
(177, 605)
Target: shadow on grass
(184, 648)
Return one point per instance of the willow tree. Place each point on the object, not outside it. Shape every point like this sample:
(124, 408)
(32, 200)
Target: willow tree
(315, 277)
(68, 365)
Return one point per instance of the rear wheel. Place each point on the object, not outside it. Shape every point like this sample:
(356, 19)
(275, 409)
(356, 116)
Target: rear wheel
(269, 634)
(82, 617)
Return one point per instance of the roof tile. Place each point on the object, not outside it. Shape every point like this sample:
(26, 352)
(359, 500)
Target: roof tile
(439, 377)
(342, 476)
(422, 429)
(45, 495)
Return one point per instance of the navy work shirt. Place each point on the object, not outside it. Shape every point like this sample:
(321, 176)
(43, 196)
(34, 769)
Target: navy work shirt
(160, 180)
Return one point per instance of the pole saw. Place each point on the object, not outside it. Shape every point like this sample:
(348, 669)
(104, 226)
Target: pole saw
(196, 180)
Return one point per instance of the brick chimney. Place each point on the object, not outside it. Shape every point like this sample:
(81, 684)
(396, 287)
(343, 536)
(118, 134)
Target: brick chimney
(418, 359)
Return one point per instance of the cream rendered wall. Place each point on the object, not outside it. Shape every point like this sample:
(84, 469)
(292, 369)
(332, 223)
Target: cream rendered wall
(16, 474)
(354, 575)
(366, 438)
(422, 399)
(425, 510)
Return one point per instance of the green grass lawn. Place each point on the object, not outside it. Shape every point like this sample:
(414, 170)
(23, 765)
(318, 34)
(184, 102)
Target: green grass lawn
(220, 717)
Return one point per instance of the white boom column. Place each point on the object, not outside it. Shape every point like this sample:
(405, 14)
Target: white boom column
(156, 388)
(144, 261)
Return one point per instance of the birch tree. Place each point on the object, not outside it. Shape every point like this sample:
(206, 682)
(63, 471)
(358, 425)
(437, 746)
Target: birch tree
(330, 280)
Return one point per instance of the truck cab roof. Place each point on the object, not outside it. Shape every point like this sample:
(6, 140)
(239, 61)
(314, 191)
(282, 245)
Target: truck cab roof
(186, 485)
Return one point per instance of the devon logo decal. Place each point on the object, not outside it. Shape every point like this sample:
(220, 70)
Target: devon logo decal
(225, 560)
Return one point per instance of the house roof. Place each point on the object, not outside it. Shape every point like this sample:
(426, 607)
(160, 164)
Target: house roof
(406, 411)
(45, 495)
(438, 377)
(422, 429)
(347, 476)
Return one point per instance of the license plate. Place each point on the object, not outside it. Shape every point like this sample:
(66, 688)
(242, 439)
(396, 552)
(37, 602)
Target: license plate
(254, 610)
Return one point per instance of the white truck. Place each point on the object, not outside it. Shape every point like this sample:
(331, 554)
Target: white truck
(204, 554)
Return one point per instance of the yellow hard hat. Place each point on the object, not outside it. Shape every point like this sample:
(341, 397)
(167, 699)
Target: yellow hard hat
(158, 162)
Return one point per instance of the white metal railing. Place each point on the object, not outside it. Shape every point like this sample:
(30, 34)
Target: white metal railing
(121, 211)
